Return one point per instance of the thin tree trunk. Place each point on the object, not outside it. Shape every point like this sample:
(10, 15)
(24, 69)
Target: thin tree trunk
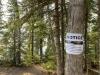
(14, 48)
(41, 50)
(62, 37)
(75, 25)
(51, 31)
(85, 34)
(57, 38)
(18, 33)
(32, 33)
(19, 46)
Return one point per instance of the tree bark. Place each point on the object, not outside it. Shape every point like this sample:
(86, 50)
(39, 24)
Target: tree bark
(14, 48)
(75, 25)
(17, 33)
(57, 38)
(62, 37)
(32, 37)
(85, 34)
(41, 50)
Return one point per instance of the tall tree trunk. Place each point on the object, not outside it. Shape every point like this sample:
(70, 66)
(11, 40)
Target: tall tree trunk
(85, 34)
(62, 37)
(32, 37)
(14, 48)
(19, 46)
(17, 39)
(57, 38)
(41, 39)
(75, 25)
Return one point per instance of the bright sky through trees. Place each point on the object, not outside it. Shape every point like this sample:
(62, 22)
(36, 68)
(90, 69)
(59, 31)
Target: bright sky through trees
(5, 7)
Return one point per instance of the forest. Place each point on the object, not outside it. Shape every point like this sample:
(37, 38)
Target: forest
(49, 37)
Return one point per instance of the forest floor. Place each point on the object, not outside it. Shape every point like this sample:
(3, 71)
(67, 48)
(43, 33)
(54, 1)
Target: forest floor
(34, 70)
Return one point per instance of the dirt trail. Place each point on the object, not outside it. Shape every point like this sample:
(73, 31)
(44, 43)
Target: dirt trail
(34, 70)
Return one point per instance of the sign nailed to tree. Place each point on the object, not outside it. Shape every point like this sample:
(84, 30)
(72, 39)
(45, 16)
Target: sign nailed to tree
(74, 43)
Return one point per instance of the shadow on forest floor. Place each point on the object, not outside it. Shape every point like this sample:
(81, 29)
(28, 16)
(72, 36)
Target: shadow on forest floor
(34, 70)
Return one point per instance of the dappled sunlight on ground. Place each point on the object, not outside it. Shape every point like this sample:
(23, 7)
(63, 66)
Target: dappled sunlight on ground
(34, 70)
(27, 74)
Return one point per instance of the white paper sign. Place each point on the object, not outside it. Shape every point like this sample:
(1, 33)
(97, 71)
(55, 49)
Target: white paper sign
(74, 43)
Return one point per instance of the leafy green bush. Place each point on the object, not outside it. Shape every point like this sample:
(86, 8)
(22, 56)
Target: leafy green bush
(50, 65)
(27, 59)
(36, 58)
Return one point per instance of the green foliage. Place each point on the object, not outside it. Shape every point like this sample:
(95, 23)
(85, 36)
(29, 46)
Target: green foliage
(50, 65)
(27, 59)
(93, 37)
(49, 55)
(40, 29)
(36, 58)
(92, 51)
